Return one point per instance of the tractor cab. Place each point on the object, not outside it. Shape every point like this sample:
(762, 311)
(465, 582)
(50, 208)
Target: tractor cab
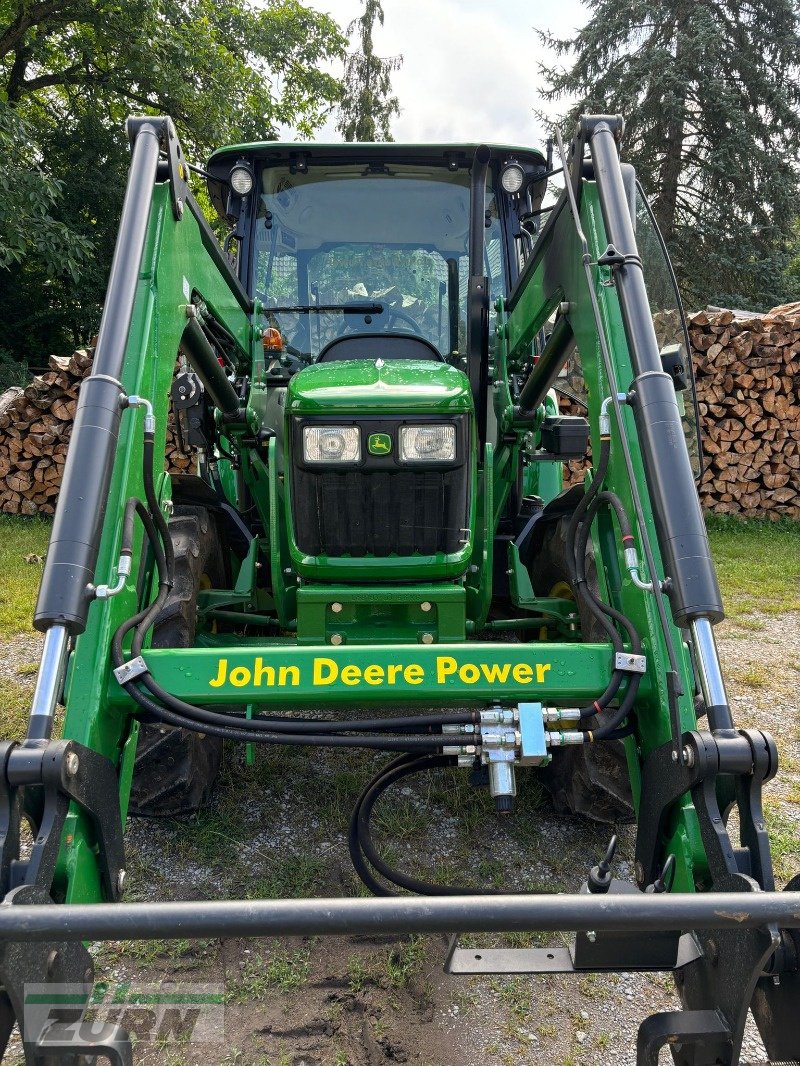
(362, 251)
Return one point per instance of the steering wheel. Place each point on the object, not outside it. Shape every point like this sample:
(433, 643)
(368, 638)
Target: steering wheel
(382, 322)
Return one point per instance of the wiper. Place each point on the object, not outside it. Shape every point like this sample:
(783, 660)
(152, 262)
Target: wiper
(348, 309)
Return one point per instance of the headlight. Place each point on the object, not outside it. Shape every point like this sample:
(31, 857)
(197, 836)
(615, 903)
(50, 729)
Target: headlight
(331, 444)
(435, 443)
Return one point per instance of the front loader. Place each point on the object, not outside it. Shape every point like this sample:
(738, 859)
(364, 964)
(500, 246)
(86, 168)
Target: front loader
(375, 549)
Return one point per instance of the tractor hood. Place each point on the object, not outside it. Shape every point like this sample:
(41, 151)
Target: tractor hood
(392, 388)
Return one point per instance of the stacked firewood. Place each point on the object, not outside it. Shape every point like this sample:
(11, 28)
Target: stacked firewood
(747, 369)
(747, 374)
(35, 428)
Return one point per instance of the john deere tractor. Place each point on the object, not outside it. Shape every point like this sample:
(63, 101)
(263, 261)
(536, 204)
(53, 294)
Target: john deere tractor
(376, 547)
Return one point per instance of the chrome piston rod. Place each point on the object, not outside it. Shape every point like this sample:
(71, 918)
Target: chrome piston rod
(709, 673)
(49, 683)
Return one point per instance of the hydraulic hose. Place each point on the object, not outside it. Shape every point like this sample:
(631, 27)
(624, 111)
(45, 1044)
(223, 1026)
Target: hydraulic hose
(362, 849)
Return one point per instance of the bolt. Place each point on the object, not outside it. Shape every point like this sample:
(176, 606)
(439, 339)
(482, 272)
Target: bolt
(179, 209)
(426, 605)
(336, 608)
(688, 755)
(591, 936)
(288, 570)
(71, 764)
(563, 307)
(169, 506)
(121, 876)
(674, 756)
(427, 638)
(337, 639)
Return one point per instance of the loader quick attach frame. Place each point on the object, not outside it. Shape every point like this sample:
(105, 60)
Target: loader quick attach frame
(728, 935)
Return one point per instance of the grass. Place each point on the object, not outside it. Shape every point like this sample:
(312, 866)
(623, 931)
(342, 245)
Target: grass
(758, 563)
(275, 972)
(19, 538)
(784, 838)
(15, 702)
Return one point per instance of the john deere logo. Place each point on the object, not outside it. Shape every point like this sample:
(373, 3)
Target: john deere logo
(379, 444)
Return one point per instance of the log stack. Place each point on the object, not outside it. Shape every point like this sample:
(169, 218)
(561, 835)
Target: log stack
(35, 428)
(747, 373)
(747, 369)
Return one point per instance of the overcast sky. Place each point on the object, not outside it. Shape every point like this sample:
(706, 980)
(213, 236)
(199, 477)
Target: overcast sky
(469, 67)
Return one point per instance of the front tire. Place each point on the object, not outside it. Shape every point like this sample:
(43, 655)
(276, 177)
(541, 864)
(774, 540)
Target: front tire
(175, 769)
(591, 780)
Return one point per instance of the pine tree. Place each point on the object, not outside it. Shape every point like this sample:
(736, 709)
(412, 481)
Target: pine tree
(711, 99)
(367, 104)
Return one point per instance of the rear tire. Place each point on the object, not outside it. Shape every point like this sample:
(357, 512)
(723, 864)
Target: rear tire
(591, 780)
(175, 769)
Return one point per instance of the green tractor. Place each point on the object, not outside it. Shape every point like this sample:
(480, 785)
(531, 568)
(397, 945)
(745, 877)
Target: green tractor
(376, 549)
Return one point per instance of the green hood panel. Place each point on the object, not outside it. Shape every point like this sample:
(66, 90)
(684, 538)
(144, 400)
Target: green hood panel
(398, 386)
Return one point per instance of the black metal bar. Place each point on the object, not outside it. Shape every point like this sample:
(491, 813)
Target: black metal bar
(478, 290)
(325, 309)
(413, 914)
(477, 208)
(64, 595)
(554, 355)
(205, 363)
(694, 591)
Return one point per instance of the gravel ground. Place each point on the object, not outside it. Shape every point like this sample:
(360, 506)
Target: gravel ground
(280, 827)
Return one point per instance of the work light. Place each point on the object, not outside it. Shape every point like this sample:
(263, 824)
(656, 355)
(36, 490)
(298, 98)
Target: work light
(241, 180)
(427, 443)
(331, 444)
(512, 178)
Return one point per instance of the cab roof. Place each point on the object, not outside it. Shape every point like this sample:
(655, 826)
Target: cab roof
(456, 156)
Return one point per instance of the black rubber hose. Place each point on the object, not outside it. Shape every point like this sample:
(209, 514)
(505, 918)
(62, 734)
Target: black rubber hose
(634, 680)
(362, 847)
(356, 855)
(148, 460)
(376, 743)
(580, 560)
(360, 839)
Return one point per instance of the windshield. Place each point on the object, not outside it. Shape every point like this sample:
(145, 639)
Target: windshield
(376, 249)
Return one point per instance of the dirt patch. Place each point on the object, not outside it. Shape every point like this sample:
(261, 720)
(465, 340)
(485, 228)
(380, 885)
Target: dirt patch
(279, 827)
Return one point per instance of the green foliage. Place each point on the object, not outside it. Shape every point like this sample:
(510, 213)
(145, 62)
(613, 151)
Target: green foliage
(27, 197)
(368, 106)
(70, 73)
(711, 99)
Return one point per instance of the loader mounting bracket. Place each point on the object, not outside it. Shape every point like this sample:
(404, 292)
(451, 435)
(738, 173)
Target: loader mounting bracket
(41, 779)
(46, 988)
(721, 769)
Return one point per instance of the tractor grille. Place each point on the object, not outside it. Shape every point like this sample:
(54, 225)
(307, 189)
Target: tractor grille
(380, 512)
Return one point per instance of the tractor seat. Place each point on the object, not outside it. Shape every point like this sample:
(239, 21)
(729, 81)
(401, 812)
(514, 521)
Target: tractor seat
(378, 346)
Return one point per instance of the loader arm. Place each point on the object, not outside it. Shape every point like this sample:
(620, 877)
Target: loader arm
(385, 628)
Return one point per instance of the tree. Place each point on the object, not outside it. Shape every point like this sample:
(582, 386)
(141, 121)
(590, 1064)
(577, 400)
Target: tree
(711, 99)
(368, 105)
(72, 70)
